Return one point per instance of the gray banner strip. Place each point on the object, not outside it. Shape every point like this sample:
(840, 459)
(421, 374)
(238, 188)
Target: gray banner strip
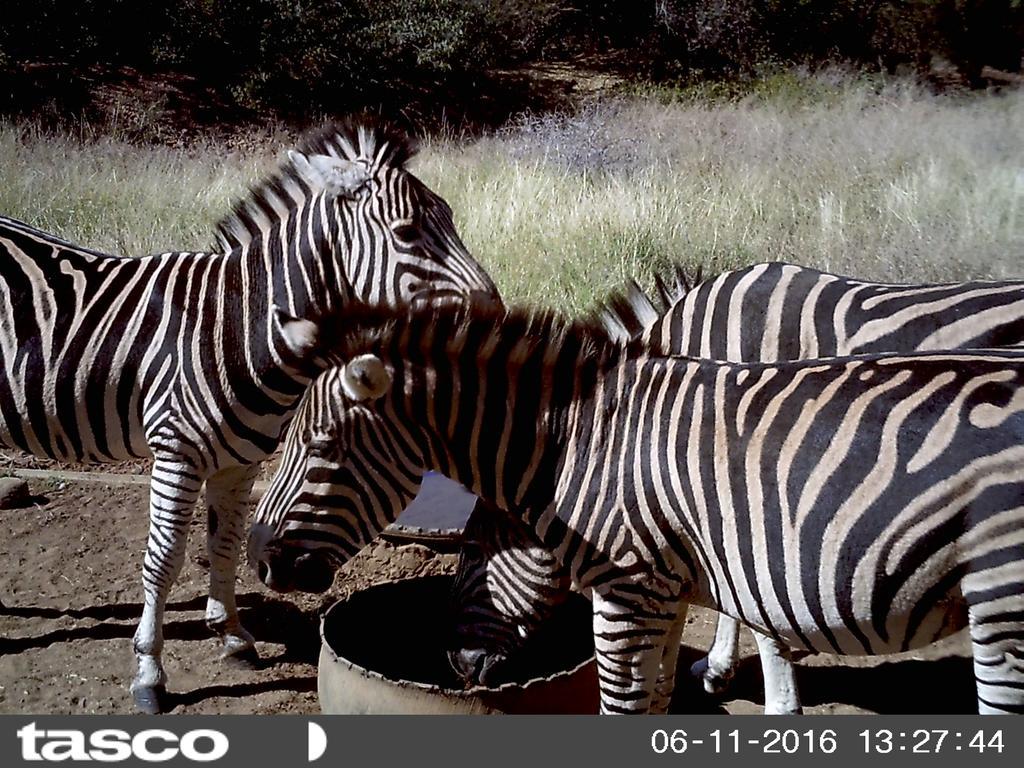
(525, 742)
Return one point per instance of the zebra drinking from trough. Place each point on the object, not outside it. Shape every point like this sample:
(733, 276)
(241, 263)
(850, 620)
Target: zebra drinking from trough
(879, 499)
(508, 584)
(198, 359)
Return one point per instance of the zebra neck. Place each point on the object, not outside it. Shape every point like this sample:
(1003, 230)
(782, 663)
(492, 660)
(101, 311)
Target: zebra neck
(251, 358)
(503, 438)
(303, 280)
(300, 272)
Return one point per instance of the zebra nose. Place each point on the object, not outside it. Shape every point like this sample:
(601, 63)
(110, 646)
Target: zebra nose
(476, 665)
(276, 579)
(312, 573)
(467, 663)
(491, 669)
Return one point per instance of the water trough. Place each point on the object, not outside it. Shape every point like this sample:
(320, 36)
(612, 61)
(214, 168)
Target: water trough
(382, 652)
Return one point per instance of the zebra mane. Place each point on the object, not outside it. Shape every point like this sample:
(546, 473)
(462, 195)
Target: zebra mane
(676, 285)
(610, 332)
(271, 199)
(359, 328)
(627, 313)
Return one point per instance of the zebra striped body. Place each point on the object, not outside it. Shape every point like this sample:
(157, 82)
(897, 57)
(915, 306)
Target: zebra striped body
(507, 583)
(94, 330)
(855, 505)
(776, 311)
(198, 359)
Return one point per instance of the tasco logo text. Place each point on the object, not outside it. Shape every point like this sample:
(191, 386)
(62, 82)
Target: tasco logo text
(110, 745)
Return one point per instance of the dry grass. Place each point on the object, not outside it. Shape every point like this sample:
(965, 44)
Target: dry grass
(884, 181)
(108, 194)
(898, 185)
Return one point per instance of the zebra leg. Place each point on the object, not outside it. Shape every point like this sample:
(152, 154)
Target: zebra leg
(666, 684)
(227, 501)
(629, 643)
(997, 645)
(717, 668)
(174, 490)
(781, 696)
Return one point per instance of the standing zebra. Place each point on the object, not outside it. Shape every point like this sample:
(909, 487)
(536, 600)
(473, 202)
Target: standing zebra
(507, 583)
(858, 505)
(197, 359)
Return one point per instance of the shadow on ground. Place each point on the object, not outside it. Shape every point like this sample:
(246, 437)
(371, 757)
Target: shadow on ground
(269, 619)
(936, 686)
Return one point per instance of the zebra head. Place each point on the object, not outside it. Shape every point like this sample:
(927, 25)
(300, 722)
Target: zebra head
(345, 474)
(344, 212)
(401, 397)
(506, 586)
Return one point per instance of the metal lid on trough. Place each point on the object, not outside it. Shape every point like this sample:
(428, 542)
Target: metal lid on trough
(438, 513)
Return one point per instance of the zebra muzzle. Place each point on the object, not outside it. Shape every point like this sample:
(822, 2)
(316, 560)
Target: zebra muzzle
(313, 573)
(476, 666)
(284, 571)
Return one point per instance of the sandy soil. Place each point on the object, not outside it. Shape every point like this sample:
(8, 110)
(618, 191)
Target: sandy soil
(70, 591)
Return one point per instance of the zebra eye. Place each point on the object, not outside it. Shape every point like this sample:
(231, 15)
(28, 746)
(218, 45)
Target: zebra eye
(407, 233)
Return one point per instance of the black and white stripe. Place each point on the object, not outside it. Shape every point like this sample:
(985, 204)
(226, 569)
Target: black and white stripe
(198, 359)
(856, 505)
(507, 584)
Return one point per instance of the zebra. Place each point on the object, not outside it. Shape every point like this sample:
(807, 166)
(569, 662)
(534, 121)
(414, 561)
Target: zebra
(198, 359)
(507, 584)
(879, 498)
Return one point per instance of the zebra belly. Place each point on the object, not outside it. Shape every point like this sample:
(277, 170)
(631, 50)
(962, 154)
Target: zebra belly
(902, 629)
(58, 442)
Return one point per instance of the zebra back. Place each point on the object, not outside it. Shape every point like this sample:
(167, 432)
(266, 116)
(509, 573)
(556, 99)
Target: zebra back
(764, 312)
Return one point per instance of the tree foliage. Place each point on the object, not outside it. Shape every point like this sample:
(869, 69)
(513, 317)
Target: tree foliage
(293, 57)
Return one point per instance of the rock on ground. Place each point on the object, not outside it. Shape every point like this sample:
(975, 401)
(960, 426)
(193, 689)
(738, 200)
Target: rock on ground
(13, 492)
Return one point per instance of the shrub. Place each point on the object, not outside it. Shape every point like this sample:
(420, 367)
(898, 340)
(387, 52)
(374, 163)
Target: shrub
(281, 55)
(422, 57)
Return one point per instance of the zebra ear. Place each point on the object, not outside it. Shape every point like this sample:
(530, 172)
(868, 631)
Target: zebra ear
(365, 378)
(335, 176)
(302, 337)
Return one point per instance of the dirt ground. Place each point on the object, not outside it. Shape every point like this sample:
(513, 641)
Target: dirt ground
(71, 595)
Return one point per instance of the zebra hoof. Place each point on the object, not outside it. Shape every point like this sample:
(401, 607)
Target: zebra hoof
(248, 659)
(150, 701)
(715, 683)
